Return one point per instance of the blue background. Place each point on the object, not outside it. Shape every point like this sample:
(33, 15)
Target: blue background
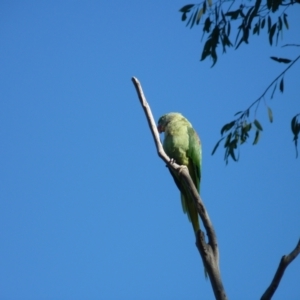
(87, 209)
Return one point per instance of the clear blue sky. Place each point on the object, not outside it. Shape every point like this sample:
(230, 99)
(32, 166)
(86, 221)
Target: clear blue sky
(87, 209)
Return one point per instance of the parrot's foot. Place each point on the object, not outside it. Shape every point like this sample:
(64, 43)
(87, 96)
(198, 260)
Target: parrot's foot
(182, 168)
(171, 162)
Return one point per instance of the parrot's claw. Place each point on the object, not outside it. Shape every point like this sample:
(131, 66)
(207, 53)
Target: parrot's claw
(182, 168)
(172, 161)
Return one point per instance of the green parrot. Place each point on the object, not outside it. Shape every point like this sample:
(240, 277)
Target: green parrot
(182, 144)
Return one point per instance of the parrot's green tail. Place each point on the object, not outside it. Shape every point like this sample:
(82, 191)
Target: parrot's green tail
(189, 208)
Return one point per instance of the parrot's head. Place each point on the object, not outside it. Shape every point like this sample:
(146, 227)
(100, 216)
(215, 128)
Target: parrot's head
(166, 119)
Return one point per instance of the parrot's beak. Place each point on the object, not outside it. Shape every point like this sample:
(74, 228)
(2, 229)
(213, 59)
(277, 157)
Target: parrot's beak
(159, 128)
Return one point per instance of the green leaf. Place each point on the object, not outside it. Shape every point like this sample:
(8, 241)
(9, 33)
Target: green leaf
(183, 17)
(275, 4)
(194, 18)
(204, 7)
(238, 113)
(279, 29)
(281, 86)
(294, 124)
(263, 23)
(227, 140)
(296, 130)
(210, 3)
(279, 24)
(233, 143)
(269, 23)
(227, 127)
(247, 127)
(199, 15)
(228, 28)
(223, 17)
(233, 14)
(285, 21)
(216, 146)
(207, 24)
(271, 34)
(281, 60)
(231, 152)
(255, 29)
(256, 138)
(186, 8)
(270, 114)
(257, 124)
(189, 21)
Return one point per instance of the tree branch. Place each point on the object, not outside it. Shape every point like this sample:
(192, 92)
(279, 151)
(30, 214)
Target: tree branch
(236, 131)
(284, 262)
(208, 251)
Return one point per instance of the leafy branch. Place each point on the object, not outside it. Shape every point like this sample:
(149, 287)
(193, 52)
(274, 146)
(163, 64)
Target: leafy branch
(217, 24)
(238, 129)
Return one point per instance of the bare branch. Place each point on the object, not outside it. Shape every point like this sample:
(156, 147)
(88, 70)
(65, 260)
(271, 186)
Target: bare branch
(208, 251)
(284, 262)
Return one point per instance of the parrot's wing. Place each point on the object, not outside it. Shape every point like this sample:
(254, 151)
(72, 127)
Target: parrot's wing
(195, 157)
(181, 189)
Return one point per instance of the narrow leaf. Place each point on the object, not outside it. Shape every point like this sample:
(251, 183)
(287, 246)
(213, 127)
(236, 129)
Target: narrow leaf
(263, 23)
(247, 127)
(269, 23)
(255, 29)
(233, 14)
(285, 21)
(281, 86)
(227, 127)
(216, 146)
(228, 28)
(199, 15)
(258, 125)
(257, 134)
(238, 113)
(207, 24)
(270, 114)
(231, 152)
(281, 60)
(279, 24)
(183, 17)
(186, 8)
(194, 18)
(204, 7)
(227, 140)
(209, 3)
(189, 21)
(271, 34)
(294, 124)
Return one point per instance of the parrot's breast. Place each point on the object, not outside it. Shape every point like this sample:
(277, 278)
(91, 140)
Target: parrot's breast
(176, 144)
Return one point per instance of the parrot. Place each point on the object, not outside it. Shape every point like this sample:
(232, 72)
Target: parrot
(182, 144)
